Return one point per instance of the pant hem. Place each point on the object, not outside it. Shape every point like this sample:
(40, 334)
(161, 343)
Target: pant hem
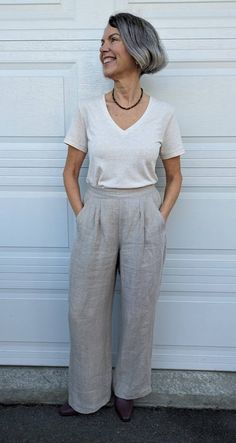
(127, 396)
(83, 410)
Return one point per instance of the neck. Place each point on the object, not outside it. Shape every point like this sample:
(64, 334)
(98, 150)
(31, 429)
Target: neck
(127, 92)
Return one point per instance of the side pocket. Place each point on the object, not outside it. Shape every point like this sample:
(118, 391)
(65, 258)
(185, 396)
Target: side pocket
(79, 214)
(84, 200)
(157, 202)
(163, 220)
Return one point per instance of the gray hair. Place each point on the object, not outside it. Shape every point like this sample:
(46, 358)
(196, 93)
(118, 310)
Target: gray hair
(141, 40)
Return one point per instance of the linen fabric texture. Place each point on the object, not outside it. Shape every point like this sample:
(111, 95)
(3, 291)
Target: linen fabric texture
(124, 158)
(127, 222)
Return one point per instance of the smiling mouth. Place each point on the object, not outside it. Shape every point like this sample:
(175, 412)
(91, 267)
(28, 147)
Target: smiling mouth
(108, 60)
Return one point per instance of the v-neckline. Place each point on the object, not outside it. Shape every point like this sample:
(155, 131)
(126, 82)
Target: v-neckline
(134, 125)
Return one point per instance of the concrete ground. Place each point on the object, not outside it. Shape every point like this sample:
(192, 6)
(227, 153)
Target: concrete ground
(23, 423)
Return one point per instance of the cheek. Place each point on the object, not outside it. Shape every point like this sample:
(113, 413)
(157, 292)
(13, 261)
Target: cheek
(124, 53)
(126, 58)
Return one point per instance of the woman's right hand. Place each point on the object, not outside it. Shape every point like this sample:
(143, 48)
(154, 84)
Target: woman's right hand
(81, 207)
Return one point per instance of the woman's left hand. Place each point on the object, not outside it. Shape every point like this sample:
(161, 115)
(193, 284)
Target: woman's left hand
(164, 216)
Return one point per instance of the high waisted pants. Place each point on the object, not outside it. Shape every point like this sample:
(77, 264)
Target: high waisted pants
(124, 223)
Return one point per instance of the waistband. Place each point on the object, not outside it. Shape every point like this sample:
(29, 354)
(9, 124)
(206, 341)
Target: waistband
(121, 192)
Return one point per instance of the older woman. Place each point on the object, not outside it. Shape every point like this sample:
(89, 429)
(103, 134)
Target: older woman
(121, 221)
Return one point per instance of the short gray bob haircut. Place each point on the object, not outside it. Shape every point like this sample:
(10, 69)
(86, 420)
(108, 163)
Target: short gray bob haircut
(141, 40)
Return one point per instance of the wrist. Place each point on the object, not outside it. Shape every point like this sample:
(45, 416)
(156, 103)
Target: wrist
(164, 214)
(78, 209)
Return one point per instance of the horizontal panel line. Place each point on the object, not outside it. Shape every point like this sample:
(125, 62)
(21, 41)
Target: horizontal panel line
(36, 167)
(71, 50)
(79, 40)
(174, 2)
(198, 251)
(71, 29)
(58, 161)
(34, 299)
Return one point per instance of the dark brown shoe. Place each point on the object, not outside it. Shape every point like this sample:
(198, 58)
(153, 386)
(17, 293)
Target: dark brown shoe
(67, 410)
(124, 408)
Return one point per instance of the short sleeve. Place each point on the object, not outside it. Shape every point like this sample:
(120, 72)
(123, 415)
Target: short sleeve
(172, 144)
(76, 136)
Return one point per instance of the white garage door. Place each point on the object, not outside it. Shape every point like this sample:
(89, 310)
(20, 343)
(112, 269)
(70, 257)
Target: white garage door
(49, 61)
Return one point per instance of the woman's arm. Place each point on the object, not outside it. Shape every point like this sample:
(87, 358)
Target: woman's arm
(74, 160)
(173, 184)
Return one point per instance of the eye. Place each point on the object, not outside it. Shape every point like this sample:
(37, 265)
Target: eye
(112, 39)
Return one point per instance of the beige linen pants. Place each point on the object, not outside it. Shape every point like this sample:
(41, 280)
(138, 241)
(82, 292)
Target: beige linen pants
(124, 223)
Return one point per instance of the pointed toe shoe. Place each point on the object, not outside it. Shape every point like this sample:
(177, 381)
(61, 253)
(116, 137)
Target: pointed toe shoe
(124, 408)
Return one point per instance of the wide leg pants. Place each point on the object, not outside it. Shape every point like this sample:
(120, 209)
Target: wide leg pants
(114, 223)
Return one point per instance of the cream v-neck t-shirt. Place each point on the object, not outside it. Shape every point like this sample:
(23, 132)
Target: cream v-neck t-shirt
(124, 158)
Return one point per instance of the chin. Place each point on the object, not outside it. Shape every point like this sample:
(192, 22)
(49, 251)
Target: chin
(108, 74)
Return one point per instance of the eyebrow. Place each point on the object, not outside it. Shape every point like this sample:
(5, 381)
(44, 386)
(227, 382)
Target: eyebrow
(115, 33)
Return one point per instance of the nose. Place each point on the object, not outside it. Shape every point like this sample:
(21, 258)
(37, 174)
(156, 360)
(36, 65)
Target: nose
(104, 47)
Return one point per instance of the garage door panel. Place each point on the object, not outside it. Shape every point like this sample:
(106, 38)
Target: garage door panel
(45, 225)
(204, 221)
(182, 317)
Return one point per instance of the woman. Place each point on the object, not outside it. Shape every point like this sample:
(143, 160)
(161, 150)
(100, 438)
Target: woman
(121, 220)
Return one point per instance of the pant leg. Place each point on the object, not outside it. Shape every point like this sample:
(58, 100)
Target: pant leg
(92, 280)
(142, 255)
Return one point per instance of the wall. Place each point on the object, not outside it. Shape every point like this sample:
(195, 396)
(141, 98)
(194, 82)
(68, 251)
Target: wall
(49, 61)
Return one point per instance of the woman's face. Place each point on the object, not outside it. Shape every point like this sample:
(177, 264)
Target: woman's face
(115, 59)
